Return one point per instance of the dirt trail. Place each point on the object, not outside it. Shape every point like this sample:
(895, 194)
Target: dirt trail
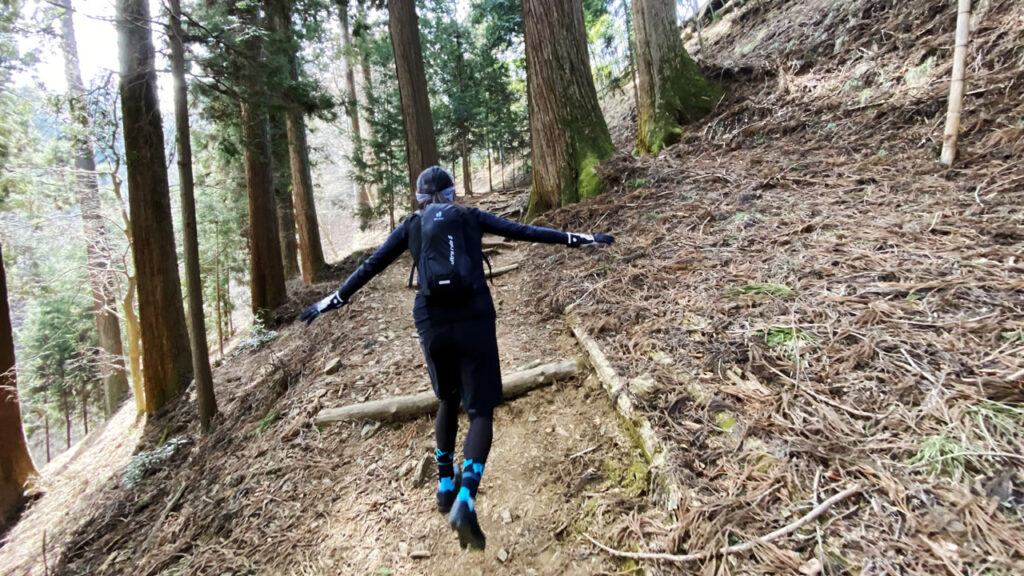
(269, 493)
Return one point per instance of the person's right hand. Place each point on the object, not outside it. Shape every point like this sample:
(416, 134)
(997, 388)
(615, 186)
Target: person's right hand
(313, 312)
(577, 240)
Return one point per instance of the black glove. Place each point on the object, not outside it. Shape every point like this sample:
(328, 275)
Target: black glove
(332, 302)
(577, 240)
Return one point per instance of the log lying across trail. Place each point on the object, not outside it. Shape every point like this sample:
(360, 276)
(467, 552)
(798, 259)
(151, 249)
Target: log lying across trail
(405, 407)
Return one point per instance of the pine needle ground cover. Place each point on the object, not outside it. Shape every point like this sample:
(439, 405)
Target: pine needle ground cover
(806, 241)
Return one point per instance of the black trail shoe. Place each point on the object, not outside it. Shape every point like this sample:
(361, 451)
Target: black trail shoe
(447, 498)
(463, 521)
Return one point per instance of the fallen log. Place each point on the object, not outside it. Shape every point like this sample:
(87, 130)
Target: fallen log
(405, 407)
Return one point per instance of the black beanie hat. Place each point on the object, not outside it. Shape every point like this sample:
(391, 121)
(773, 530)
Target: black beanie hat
(433, 180)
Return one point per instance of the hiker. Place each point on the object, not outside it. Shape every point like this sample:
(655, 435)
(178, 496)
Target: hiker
(454, 316)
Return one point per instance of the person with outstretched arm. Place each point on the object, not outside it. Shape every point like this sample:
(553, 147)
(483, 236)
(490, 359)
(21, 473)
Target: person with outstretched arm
(454, 317)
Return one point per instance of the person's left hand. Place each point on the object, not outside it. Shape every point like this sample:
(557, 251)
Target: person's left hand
(313, 312)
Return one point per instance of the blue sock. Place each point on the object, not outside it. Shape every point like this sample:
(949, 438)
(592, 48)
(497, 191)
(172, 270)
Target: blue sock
(471, 473)
(445, 470)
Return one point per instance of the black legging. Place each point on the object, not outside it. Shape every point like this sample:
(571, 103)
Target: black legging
(478, 439)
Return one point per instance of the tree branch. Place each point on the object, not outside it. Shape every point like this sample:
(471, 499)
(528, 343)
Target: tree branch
(744, 547)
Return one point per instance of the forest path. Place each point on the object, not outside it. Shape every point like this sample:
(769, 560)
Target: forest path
(554, 450)
(269, 493)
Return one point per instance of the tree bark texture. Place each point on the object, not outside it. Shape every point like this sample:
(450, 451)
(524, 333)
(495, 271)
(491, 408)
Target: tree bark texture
(671, 90)
(165, 346)
(311, 252)
(420, 143)
(351, 100)
(200, 351)
(101, 280)
(404, 407)
(283, 194)
(133, 331)
(266, 273)
(569, 134)
(15, 462)
(467, 172)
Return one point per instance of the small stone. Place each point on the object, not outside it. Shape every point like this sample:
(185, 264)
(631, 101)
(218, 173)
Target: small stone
(406, 468)
(811, 568)
(370, 429)
(643, 386)
(332, 366)
(403, 548)
(423, 472)
(419, 554)
(506, 517)
(503, 555)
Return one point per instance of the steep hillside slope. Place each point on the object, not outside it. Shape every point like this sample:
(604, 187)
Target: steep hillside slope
(820, 303)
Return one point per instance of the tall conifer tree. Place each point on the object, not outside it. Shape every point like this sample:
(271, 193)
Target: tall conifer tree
(165, 347)
(108, 329)
(421, 144)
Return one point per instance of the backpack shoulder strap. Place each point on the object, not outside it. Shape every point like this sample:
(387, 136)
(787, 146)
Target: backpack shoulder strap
(414, 241)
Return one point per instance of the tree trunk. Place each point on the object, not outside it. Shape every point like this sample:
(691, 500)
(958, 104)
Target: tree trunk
(200, 352)
(421, 145)
(46, 426)
(133, 331)
(671, 91)
(490, 170)
(569, 135)
(467, 171)
(134, 334)
(630, 39)
(85, 412)
(220, 318)
(104, 293)
(956, 87)
(358, 33)
(311, 253)
(165, 343)
(281, 161)
(15, 462)
(352, 102)
(501, 163)
(66, 404)
(266, 274)
(266, 271)
(403, 407)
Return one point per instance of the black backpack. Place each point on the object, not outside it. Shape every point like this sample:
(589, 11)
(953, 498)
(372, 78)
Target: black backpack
(437, 240)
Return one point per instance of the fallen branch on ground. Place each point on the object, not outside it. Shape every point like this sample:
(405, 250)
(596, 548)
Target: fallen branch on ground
(402, 407)
(744, 547)
(163, 516)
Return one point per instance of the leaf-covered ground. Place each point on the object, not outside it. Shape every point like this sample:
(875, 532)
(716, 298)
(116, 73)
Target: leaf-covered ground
(818, 303)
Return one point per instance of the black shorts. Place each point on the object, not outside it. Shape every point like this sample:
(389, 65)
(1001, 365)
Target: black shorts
(462, 358)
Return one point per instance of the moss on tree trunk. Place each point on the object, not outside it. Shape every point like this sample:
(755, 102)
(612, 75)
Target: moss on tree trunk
(672, 91)
(569, 134)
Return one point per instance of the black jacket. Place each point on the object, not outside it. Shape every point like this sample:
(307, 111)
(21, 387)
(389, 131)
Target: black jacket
(426, 312)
